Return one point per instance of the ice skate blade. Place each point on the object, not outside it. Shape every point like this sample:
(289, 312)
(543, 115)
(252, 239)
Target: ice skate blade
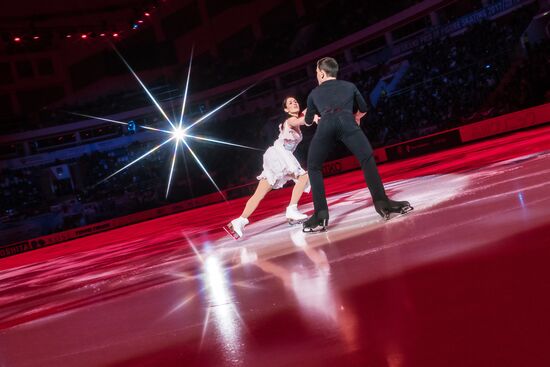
(320, 227)
(229, 230)
(314, 230)
(402, 212)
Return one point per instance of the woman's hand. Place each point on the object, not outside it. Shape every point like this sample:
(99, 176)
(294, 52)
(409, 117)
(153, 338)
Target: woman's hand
(316, 119)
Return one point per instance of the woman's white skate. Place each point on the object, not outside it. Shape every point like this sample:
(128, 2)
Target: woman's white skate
(235, 228)
(294, 216)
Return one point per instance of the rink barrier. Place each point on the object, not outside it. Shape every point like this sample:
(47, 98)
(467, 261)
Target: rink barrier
(440, 141)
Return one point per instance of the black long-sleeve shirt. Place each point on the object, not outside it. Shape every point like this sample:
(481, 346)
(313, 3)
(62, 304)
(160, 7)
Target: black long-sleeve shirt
(333, 96)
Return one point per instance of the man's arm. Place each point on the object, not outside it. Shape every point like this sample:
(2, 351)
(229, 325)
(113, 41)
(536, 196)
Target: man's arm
(358, 116)
(311, 111)
(361, 105)
(298, 121)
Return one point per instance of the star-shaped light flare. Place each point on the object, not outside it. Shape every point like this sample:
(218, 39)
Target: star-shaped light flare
(177, 132)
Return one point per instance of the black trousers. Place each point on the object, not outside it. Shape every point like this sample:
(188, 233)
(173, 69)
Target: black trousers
(341, 126)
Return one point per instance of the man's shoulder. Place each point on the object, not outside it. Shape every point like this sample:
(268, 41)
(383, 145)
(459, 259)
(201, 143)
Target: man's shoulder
(334, 83)
(341, 84)
(347, 84)
(314, 91)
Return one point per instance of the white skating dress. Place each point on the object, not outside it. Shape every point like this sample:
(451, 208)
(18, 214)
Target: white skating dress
(280, 165)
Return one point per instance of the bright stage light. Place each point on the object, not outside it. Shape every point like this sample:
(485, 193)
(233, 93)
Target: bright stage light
(179, 134)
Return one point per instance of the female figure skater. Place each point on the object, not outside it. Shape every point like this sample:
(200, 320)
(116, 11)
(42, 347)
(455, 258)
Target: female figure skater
(279, 167)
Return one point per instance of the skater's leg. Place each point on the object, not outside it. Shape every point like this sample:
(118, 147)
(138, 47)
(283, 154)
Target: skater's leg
(293, 215)
(236, 227)
(356, 141)
(372, 177)
(383, 205)
(263, 188)
(299, 188)
(319, 148)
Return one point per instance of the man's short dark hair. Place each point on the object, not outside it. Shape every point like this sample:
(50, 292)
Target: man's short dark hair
(329, 66)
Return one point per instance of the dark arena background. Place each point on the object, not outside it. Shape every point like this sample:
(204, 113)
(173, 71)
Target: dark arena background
(133, 131)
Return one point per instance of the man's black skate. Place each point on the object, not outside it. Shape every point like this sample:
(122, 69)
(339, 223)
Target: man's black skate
(317, 223)
(386, 207)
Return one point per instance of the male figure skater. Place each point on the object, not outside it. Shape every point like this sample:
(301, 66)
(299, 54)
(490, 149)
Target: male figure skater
(335, 101)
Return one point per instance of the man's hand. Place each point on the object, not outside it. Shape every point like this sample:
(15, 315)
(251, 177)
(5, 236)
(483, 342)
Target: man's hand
(358, 116)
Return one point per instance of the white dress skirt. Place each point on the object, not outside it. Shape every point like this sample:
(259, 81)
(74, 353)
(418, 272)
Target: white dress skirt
(280, 165)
